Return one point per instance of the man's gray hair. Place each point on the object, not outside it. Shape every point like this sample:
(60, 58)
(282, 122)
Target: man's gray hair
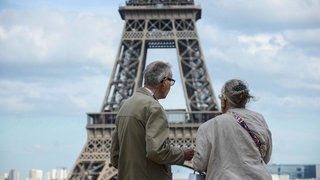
(156, 72)
(237, 93)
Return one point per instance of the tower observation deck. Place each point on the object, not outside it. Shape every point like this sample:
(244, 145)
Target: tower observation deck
(150, 24)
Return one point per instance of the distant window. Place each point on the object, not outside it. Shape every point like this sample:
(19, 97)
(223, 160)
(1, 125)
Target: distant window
(298, 169)
(299, 175)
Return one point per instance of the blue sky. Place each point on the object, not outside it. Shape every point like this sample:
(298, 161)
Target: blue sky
(56, 57)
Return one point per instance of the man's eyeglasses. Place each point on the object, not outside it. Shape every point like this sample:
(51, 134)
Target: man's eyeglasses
(172, 81)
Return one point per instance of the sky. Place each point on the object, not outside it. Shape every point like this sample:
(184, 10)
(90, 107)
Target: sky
(56, 58)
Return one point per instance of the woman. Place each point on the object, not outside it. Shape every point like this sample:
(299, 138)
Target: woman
(229, 150)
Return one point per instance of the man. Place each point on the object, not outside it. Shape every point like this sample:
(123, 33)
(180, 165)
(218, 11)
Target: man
(140, 147)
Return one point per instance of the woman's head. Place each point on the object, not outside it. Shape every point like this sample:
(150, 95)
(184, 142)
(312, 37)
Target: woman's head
(236, 93)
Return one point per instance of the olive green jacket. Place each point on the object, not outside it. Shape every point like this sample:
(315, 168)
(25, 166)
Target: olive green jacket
(140, 147)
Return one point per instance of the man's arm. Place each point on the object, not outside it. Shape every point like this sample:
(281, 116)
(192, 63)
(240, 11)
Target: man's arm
(114, 151)
(157, 139)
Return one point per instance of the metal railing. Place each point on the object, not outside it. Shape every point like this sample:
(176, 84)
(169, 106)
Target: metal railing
(157, 2)
(174, 117)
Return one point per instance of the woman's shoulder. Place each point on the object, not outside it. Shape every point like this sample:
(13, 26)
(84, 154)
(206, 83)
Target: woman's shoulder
(252, 117)
(247, 112)
(216, 120)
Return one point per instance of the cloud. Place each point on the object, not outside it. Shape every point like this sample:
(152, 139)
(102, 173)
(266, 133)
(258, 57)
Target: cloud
(262, 15)
(275, 57)
(54, 61)
(74, 96)
(44, 35)
(308, 36)
(262, 43)
(40, 147)
(13, 101)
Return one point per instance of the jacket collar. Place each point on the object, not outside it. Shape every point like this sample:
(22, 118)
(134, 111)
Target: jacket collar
(147, 91)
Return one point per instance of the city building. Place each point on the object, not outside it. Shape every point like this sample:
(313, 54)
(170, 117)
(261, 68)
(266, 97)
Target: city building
(296, 171)
(14, 174)
(35, 174)
(56, 174)
(280, 177)
(4, 176)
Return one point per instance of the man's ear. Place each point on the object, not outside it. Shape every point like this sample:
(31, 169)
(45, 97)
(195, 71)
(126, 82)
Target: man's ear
(162, 84)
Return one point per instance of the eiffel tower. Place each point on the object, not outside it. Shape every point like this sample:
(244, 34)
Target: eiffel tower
(150, 24)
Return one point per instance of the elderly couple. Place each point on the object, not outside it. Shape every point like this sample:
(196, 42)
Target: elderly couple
(234, 145)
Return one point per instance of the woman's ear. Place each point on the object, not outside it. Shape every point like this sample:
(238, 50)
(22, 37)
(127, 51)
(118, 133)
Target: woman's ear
(224, 105)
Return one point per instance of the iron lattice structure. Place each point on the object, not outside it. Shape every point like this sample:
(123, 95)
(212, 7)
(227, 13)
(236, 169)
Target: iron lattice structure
(150, 24)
